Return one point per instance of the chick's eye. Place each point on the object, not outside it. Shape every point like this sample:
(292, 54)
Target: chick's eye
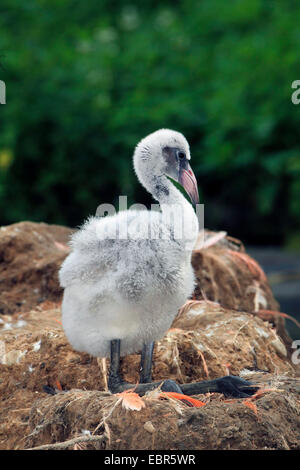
(181, 155)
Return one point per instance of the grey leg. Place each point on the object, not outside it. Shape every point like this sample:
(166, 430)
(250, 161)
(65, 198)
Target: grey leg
(146, 363)
(114, 379)
(117, 385)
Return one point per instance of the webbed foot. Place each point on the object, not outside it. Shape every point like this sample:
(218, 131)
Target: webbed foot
(234, 386)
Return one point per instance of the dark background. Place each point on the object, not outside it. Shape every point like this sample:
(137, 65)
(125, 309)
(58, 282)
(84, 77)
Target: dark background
(87, 80)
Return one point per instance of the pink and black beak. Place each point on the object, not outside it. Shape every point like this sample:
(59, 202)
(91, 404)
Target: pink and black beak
(188, 180)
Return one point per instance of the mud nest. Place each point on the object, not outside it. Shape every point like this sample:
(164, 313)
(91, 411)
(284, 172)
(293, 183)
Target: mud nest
(232, 325)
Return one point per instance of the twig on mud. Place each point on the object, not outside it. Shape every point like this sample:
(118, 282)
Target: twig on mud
(252, 265)
(239, 330)
(202, 358)
(103, 368)
(103, 422)
(262, 312)
(70, 442)
(210, 240)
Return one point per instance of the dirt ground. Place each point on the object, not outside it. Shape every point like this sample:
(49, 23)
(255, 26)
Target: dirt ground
(205, 342)
(242, 335)
(30, 255)
(220, 424)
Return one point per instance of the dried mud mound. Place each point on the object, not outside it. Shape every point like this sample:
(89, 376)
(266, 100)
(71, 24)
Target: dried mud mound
(205, 341)
(227, 275)
(270, 422)
(231, 326)
(30, 256)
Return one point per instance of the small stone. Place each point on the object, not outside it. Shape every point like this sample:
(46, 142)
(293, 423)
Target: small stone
(279, 347)
(148, 426)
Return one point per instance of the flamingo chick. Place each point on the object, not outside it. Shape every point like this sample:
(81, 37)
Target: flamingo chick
(128, 274)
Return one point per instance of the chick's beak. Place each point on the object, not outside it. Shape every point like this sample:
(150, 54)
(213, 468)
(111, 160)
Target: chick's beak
(188, 180)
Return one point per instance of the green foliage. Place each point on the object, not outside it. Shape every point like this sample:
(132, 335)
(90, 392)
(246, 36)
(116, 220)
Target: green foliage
(86, 80)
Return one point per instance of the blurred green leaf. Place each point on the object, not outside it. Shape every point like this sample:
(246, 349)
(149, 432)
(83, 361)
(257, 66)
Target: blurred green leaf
(86, 80)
